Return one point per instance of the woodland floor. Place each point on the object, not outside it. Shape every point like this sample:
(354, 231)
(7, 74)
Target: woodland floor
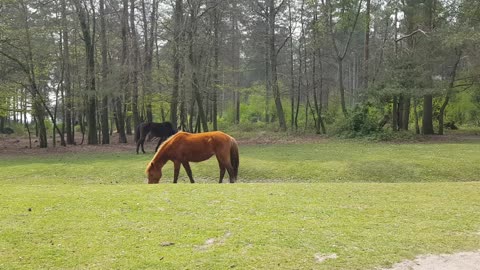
(20, 145)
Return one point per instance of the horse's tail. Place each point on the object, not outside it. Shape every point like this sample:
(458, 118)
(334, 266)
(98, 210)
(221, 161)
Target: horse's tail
(234, 159)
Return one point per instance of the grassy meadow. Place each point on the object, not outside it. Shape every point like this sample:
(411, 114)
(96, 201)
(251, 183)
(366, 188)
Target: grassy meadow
(370, 204)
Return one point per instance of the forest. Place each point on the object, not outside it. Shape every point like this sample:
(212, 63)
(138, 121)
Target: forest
(91, 68)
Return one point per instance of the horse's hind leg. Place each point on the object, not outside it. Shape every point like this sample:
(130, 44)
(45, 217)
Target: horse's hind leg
(230, 174)
(224, 163)
(222, 173)
(189, 171)
(143, 150)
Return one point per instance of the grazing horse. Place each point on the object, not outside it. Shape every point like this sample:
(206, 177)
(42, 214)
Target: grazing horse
(161, 130)
(184, 147)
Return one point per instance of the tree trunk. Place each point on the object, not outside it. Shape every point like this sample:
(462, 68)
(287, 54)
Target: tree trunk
(135, 54)
(273, 66)
(37, 107)
(90, 73)
(67, 82)
(427, 125)
(236, 63)
(194, 63)
(103, 43)
(341, 86)
(366, 51)
(119, 106)
(451, 85)
(177, 33)
(216, 69)
(417, 126)
(149, 44)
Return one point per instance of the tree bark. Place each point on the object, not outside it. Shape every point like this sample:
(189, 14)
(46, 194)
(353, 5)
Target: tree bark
(90, 73)
(124, 81)
(448, 95)
(135, 54)
(177, 33)
(67, 82)
(273, 65)
(366, 51)
(194, 63)
(216, 69)
(103, 44)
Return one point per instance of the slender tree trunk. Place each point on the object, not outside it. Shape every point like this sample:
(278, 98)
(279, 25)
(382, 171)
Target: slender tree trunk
(236, 62)
(67, 81)
(90, 73)
(366, 51)
(194, 63)
(103, 44)
(37, 107)
(149, 44)
(177, 33)
(124, 81)
(417, 125)
(292, 76)
(216, 55)
(317, 98)
(341, 86)
(340, 55)
(135, 65)
(451, 85)
(273, 66)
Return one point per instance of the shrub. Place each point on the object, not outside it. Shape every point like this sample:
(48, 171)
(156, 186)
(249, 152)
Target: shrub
(362, 121)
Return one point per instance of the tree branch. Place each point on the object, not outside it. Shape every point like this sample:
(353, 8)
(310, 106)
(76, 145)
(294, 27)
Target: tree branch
(283, 44)
(411, 34)
(353, 29)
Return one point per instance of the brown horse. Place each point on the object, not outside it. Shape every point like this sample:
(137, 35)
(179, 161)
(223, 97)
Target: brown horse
(184, 147)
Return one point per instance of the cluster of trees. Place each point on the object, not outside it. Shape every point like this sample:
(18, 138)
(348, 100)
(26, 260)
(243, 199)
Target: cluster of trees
(110, 64)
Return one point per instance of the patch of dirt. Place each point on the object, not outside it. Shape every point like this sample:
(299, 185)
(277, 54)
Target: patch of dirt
(214, 241)
(319, 258)
(11, 145)
(457, 261)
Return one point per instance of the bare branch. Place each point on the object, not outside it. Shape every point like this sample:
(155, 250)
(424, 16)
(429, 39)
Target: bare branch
(16, 60)
(283, 44)
(411, 34)
(353, 29)
(277, 9)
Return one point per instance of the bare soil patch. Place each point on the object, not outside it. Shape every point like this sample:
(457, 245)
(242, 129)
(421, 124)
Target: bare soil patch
(11, 145)
(457, 261)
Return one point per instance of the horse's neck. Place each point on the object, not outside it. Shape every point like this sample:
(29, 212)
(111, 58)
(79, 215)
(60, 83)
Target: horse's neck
(160, 158)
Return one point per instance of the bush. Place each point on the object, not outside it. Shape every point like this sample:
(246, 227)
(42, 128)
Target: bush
(360, 122)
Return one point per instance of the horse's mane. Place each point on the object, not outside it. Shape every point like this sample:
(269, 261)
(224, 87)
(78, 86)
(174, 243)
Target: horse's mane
(161, 148)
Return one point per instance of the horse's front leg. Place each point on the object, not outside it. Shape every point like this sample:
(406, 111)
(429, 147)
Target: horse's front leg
(176, 171)
(186, 165)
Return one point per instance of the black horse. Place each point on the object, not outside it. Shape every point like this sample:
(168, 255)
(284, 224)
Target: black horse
(161, 130)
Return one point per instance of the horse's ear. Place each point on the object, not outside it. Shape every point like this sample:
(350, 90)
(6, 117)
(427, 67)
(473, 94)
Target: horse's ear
(152, 165)
(179, 128)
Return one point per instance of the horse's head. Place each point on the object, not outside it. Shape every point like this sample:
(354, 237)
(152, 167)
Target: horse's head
(154, 173)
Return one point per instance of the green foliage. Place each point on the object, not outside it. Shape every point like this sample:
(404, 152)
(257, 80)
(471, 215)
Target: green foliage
(361, 121)
(464, 109)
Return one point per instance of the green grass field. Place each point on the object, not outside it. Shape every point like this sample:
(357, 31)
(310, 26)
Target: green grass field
(370, 204)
